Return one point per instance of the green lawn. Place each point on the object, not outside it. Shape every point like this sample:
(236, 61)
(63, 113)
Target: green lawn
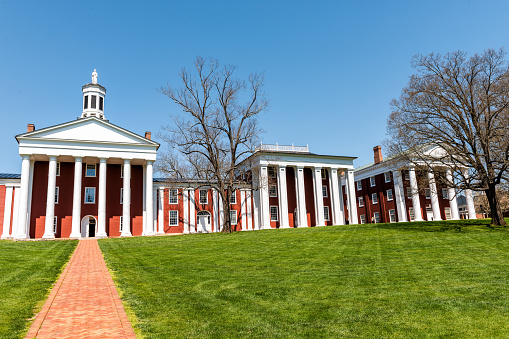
(27, 271)
(442, 279)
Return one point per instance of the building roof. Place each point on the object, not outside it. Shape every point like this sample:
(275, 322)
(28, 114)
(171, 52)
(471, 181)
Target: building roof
(10, 176)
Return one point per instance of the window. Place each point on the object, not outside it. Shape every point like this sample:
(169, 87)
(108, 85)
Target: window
(233, 197)
(101, 103)
(233, 217)
(85, 105)
(326, 213)
(412, 214)
(407, 175)
(374, 198)
(324, 175)
(121, 224)
(359, 185)
(55, 223)
(409, 192)
(204, 197)
(372, 181)
(272, 172)
(273, 213)
(173, 196)
(93, 101)
(389, 195)
(324, 191)
(448, 215)
(56, 194)
(90, 170)
(272, 191)
(387, 176)
(392, 216)
(89, 195)
(121, 171)
(174, 218)
(376, 217)
(58, 169)
(445, 193)
(427, 191)
(361, 201)
(363, 218)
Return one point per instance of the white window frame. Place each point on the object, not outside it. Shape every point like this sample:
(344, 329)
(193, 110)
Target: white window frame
(324, 176)
(372, 181)
(85, 200)
(272, 190)
(359, 185)
(447, 212)
(406, 174)
(121, 224)
(361, 201)
(445, 193)
(411, 213)
(326, 215)
(374, 198)
(390, 196)
(55, 224)
(233, 198)
(86, 170)
(58, 169)
(409, 192)
(392, 215)
(57, 191)
(171, 196)
(121, 171)
(325, 193)
(271, 209)
(362, 218)
(271, 172)
(233, 217)
(206, 200)
(176, 216)
(427, 193)
(387, 176)
(375, 217)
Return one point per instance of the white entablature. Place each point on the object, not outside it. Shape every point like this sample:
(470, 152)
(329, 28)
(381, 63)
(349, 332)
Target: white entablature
(88, 137)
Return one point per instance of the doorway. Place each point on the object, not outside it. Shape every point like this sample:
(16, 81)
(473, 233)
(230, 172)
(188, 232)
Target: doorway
(204, 222)
(429, 213)
(88, 227)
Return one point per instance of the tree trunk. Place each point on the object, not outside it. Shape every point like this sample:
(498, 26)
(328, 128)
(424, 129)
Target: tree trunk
(497, 217)
(227, 225)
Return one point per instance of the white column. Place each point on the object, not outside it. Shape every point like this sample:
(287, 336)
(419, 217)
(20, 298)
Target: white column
(20, 230)
(30, 189)
(154, 210)
(249, 201)
(215, 210)
(192, 211)
(149, 197)
(282, 197)
(50, 199)
(126, 200)
(160, 213)
(243, 210)
(144, 232)
(416, 202)
(469, 198)
(434, 196)
(335, 188)
(399, 195)
(221, 212)
(101, 213)
(341, 202)
(185, 201)
(301, 197)
(264, 198)
(451, 192)
(76, 199)
(317, 183)
(7, 212)
(15, 211)
(352, 201)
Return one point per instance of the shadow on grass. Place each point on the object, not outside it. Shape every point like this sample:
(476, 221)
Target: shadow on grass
(475, 225)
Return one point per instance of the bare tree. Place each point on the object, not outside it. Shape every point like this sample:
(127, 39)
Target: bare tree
(216, 129)
(460, 106)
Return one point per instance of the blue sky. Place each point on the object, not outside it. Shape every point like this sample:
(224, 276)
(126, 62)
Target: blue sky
(331, 67)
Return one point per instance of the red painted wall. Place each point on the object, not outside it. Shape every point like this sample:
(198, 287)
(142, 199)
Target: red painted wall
(2, 207)
(292, 195)
(310, 196)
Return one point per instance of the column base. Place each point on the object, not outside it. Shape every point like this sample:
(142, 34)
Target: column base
(265, 228)
(160, 233)
(48, 236)
(320, 225)
(285, 226)
(75, 235)
(4, 237)
(150, 233)
(126, 235)
(102, 235)
(19, 237)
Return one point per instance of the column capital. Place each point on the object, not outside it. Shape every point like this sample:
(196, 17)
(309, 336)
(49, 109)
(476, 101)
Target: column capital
(103, 160)
(150, 162)
(127, 160)
(78, 159)
(52, 158)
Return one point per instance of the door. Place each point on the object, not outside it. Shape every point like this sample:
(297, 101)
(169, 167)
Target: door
(429, 213)
(204, 222)
(88, 226)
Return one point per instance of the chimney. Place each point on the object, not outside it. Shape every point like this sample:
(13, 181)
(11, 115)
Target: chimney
(30, 128)
(377, 150)
(148, 135)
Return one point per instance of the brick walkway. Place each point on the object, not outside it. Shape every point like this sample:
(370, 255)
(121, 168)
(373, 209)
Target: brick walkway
(84, 302)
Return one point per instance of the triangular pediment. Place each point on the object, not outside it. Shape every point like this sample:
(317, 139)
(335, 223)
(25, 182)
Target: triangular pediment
(88, 130)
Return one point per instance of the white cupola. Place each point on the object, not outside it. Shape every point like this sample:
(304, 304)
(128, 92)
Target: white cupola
(93, 99)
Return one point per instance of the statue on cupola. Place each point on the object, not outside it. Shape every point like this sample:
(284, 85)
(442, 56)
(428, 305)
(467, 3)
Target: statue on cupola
(93, 99)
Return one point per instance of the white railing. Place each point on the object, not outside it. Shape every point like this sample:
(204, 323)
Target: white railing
(282, 148)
